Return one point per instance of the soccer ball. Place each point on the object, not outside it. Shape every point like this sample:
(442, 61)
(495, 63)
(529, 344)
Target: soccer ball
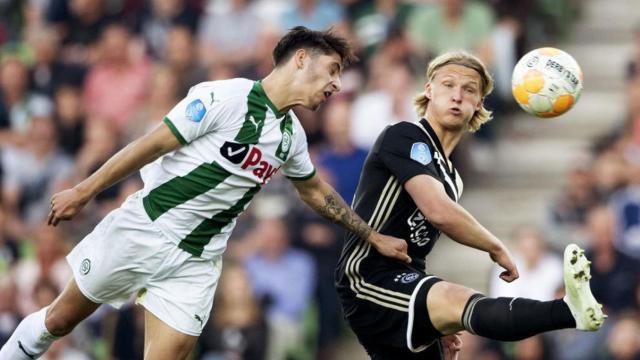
(546, 82)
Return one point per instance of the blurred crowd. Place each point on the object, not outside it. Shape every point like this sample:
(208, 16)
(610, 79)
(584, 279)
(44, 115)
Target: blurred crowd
(599, 209)
(79, 79)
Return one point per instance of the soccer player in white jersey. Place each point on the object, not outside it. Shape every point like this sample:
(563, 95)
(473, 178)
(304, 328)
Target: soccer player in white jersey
(213, 152)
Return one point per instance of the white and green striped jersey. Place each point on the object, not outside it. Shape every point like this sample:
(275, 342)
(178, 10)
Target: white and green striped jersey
(234, 140)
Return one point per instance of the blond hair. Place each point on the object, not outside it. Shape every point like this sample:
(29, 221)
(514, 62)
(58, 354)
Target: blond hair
(465, 59)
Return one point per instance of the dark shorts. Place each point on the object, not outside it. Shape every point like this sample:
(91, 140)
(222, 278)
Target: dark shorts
(388, 313)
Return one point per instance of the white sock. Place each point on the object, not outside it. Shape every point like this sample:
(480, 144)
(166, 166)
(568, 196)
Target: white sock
(30, 339)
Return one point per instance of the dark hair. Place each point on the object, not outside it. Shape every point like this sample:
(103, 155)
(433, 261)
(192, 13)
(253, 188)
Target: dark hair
(301, 37)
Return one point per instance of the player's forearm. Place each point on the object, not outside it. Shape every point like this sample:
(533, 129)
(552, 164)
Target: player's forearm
(329, 204)
(463, 228)
(119, 166)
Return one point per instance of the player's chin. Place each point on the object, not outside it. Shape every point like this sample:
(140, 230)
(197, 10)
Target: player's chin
(316, 106)
(455, 123)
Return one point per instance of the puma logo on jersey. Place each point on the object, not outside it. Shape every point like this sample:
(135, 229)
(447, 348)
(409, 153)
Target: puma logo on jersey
(248, 157)
(199, 319)
(253, 121)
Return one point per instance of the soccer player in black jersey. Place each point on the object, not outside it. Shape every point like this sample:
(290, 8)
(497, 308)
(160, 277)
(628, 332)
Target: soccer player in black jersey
(409, 189)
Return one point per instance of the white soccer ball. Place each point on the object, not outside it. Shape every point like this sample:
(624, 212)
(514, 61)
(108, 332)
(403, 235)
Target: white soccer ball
(546, 82)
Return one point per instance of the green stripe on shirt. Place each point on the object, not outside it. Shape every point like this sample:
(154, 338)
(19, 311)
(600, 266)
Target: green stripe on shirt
(183, 188)
(195, 242)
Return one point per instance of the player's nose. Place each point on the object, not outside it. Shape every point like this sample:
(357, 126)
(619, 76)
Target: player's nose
(336, 84)
(456, 95)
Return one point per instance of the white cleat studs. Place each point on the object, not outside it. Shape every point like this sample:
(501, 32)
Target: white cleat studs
(584, 307)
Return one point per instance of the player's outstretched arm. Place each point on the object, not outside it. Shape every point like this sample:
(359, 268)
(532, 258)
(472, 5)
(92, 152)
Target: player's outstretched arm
(322, 198)
(452, 219)
(66, 204)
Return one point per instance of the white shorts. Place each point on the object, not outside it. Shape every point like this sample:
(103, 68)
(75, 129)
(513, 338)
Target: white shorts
(126, 254)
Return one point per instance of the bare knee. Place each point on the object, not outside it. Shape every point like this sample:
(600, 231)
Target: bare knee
(69, 309)
(445, 303)
(58, 322)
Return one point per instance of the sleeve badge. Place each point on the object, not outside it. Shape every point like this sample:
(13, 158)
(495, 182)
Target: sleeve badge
(420, 152)
(195, 111)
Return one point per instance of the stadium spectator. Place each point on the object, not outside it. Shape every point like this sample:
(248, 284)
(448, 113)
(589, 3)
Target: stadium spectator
(374, 21)
(624, 339)
(128, 339)
(615, 275)
(452, 24)
(568, 211)
(540, 270)
(237, 329)
(626, 207)
(180, 55)
(221, 47)
(31, 174)
(163, 94)
(533, 348)
(70, 118)
(79, 23)
(8, 247)
(323, 241)
(47, 272)
(47, 72)
(9, 313)
(117, 85)
(158, 17)
(315, 14)
(633, 68)
(17, 103)
(63, 350)
(341, 159)
(610, 170)
(273, 270)
(389, 102)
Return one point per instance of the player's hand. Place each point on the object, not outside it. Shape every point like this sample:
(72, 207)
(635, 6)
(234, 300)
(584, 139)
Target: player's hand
(65, 205)
(390, 246)
(451, 345)
(503, 258)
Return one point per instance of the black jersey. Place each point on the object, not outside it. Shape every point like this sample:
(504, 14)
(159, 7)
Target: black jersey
(402, 151)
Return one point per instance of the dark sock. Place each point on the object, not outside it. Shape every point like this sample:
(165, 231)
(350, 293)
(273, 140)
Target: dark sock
(512, 319)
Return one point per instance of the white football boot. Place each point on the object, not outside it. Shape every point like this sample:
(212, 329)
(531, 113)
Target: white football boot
(584, 307)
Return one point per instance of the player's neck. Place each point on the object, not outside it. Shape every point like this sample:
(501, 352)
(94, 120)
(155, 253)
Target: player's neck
(449, 139)
(277, 85)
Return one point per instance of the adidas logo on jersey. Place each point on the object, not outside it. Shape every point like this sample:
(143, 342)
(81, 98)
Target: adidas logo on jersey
(248, 157)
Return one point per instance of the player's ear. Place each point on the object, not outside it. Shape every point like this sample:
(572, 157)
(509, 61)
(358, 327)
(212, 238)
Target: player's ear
(427, 90)
(298, 58)
(480, 104)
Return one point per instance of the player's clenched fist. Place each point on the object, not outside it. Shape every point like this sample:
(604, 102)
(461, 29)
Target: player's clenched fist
(390, 246)
(65, 205)
(451, 346)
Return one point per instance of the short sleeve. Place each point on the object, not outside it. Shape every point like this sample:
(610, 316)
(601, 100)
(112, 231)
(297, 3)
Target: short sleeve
(299, 166)
(195, 115)
(406, 155)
